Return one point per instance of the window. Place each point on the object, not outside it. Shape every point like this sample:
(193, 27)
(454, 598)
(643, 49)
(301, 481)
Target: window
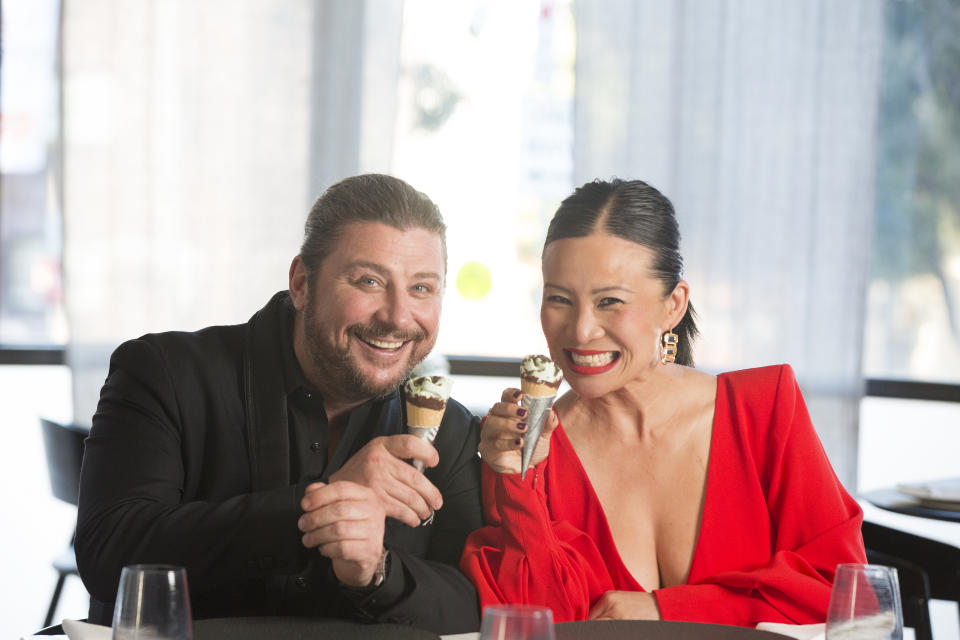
(486, 131)
(31, 311)
(913, 316)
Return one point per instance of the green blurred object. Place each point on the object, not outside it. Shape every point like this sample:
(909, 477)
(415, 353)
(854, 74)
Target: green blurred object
(474, 281)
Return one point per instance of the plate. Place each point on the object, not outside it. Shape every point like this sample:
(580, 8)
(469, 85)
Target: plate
(939, 494)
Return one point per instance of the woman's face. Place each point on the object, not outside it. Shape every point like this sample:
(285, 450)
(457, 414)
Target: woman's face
(603, 311)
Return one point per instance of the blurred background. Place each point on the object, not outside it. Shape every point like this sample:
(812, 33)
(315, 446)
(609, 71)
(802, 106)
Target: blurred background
(158, 158)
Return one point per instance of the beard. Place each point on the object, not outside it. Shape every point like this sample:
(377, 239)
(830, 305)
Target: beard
(344, 375)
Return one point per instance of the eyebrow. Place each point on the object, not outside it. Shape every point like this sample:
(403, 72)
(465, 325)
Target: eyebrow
(373, 266)
(594, 292)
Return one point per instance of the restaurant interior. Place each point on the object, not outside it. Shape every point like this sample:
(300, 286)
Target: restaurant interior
(158, 158)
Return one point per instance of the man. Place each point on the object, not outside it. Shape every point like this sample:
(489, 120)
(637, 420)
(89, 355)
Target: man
(270, 458)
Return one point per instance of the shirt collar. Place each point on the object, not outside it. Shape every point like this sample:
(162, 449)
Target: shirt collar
(293, 378)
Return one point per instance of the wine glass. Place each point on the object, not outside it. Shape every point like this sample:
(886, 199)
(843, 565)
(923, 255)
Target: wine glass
(517, 622)
(865, 603)
(153, 603)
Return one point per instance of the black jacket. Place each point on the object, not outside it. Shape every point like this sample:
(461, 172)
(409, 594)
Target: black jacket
(188, 463)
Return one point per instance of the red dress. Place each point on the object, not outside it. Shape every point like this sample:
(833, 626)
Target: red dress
(776, 522)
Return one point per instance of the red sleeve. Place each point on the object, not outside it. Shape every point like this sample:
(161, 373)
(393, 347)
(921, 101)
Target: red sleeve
(525, 557)
(813, 525)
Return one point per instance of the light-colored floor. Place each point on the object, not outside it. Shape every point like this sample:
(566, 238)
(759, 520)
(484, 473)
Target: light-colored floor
(900, 441)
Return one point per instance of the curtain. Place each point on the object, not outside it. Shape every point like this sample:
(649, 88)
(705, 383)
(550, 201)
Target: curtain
(196, 136)
(757, 120)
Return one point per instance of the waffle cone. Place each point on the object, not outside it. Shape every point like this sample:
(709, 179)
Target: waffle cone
(533, 389)
(423, 417)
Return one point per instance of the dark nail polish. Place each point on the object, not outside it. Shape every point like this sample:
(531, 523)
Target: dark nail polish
(521, 426)
(516, 394)
(518, 441)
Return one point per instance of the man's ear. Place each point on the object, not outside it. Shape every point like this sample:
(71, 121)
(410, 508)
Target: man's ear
(677, 303)
(298, 283)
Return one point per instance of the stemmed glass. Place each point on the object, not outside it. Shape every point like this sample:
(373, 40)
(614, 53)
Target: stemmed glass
(865, 603)
(153, 603)
(517, 622)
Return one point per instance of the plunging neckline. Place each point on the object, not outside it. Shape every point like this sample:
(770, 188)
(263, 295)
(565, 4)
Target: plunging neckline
(595, 499)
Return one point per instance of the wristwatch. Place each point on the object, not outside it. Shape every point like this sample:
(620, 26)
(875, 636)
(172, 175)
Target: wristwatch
(381, 573)
(379, 576)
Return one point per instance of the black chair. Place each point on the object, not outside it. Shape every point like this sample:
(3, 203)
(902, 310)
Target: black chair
(64, 449)
(927, 570)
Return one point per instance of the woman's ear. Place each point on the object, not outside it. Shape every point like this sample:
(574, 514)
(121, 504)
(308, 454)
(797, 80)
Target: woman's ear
(676, 303)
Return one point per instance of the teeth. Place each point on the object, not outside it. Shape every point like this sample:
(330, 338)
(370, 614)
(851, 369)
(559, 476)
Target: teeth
(384, 344)
(594, 360)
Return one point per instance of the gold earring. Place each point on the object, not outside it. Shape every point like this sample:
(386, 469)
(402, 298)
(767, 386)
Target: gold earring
(668, 347)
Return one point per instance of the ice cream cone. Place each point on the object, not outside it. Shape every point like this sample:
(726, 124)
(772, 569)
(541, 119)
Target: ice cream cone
(536, 389)
(540, 378)
(428, 435)
(423, 416)
(426, 401)
(537, 409)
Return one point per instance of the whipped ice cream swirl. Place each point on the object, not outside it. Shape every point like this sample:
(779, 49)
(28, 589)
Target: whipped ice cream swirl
(435, 386)
(541, 369)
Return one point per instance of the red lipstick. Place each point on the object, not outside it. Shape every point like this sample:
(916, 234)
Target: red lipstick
(588, 370)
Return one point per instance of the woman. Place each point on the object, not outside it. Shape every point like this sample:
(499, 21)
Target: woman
(657, 491)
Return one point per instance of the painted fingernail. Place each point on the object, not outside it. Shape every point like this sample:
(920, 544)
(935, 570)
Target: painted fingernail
(516, 394)
(521, 426)
(521, 412)
(518, 441)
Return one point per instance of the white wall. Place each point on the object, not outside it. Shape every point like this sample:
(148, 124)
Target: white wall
(36, 526)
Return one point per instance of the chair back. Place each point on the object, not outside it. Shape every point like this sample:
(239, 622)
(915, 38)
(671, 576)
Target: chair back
(940, 561)
(64, 448)
(914, 592)
(928, 569)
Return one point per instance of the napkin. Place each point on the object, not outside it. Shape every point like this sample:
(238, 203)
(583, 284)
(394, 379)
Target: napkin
(798, 631)
(77, 630)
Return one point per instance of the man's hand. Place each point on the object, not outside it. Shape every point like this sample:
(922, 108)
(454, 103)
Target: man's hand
(625, 605)
(345, 522)
(381, 465)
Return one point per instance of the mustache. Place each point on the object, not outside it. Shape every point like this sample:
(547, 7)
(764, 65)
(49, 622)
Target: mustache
(385, 331)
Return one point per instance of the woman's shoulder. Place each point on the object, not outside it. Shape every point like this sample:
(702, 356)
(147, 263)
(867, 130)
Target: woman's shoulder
(768, 398)
(759, 379)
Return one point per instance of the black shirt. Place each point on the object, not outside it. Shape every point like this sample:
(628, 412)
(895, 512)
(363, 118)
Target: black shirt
(199, 455)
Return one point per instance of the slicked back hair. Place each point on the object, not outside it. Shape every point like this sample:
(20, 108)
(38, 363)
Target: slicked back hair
(371, 197)
(635, 211)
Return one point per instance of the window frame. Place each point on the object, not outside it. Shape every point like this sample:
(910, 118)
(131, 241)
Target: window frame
(507, 368)
(32, 354)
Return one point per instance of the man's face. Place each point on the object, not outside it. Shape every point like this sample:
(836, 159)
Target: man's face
(372, 311)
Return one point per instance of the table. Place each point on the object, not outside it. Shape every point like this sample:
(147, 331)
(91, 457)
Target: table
(278, 628)
(892, 500)
(295, 628)
(306, 629)
(292, 628)
(657, 630)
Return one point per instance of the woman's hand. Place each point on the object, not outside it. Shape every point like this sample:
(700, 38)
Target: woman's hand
(625, 605)
(501, 440)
